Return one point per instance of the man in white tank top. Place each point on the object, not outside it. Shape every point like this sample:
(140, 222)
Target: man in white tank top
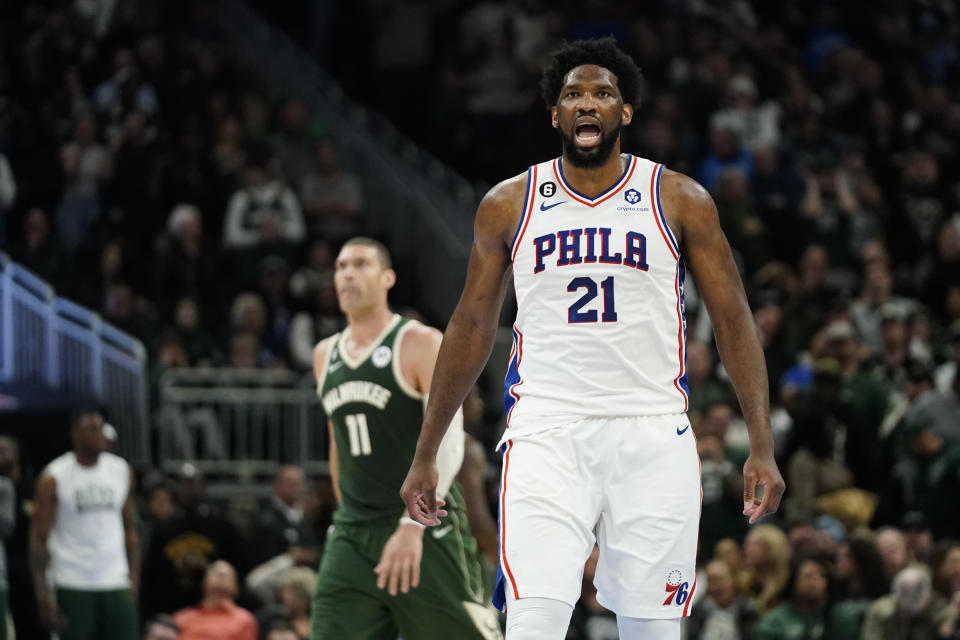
(597, 448)
(83, 539)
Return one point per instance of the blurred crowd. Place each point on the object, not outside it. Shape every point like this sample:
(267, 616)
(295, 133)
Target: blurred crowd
(149, 177)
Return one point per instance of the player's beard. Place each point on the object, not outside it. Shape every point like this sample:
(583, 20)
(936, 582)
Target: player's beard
(591, 157)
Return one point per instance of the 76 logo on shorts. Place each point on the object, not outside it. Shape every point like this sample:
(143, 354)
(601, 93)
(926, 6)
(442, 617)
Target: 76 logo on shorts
(677, 590)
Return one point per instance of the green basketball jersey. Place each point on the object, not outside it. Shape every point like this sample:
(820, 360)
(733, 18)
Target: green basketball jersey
(376, 417)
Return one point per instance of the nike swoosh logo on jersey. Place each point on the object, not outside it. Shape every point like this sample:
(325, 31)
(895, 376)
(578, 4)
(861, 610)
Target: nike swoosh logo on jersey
(680, 431)
(439, 533)
(335, 366)
(544, 206)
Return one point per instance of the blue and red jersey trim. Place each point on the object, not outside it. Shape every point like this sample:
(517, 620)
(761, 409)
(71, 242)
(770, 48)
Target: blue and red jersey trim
(603, 197)
(527, 212)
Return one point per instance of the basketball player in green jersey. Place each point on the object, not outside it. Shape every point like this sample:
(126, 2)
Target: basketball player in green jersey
(383, 574)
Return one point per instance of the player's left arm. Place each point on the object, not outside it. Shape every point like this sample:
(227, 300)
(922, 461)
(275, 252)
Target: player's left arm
(690, 211)
(132, 538)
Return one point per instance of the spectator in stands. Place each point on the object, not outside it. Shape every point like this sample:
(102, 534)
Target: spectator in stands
(38, 250)
(318, 266)
(125, 89)
(22, 604)
(273, 277)
(723, 613)
(892, 361)
(161, 627)
(127, 311)
(944, 266)
(321, 319)
(229, 155)
(291, 143)
(184, 174)
(199, 346)
(766, 566)
(813, 468)
(185, 266)
(775, 190)
(807, 614)
(264, 212)
(87, 165)
(946, 569)
(858, 578)
(8, 516)
(805, 311)
(296, 586)
(248, 323)
(754, 125)
(946, 374)
(721, 480)
(136, 154)
(160, 507)
(874, 294)
(217, 616)
(8, 194)
(183, 547)
(281, 526)
(705, 387)
(332, 196)
(913, 611)
(892, 547)
(935, 473)
(827, 208)
(726, 152)
(919, 538)
(768, 317)
(950, 627)
(921, 205)
(739, 219)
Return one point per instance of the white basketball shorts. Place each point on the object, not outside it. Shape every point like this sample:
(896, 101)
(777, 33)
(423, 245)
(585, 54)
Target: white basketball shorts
(632, 484)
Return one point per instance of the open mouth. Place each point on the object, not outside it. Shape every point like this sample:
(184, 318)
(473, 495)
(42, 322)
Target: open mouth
(587, 133)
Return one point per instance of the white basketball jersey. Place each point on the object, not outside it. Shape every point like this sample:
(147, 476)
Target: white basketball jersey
(600, 327)
(87, 543)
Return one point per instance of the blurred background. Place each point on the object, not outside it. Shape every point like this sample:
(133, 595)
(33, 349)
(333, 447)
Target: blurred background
(176, 178)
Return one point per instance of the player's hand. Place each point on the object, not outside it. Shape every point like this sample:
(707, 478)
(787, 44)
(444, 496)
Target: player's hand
(761, 471)
(400, 561)
(51, 616)
(419, 492)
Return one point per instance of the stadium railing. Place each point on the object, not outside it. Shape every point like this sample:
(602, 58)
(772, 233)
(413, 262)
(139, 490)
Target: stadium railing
(55, 344)
(240, 422)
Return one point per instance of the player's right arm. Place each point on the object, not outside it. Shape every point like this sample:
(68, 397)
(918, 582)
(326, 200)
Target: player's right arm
(319, 363)
(468, 340)
(41, 522)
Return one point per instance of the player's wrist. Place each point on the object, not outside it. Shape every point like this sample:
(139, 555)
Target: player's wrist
(407, 520)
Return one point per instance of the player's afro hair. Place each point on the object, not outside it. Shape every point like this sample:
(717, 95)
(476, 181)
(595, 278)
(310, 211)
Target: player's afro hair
(602, 52)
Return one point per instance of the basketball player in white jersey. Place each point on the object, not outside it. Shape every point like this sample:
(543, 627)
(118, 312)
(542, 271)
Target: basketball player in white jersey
(597, 445)
(83, 539)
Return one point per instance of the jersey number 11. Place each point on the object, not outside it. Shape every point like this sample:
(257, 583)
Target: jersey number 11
(359, 434)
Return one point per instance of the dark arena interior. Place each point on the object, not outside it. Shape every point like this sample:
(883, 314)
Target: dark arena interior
(177, 181)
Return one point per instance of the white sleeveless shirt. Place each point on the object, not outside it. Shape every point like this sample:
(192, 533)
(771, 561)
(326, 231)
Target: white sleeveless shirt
(600, 328)
(87, 543)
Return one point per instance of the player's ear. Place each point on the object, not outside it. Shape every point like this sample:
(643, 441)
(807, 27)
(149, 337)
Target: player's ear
(626, 114)
(554, 120)
(389, 278)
